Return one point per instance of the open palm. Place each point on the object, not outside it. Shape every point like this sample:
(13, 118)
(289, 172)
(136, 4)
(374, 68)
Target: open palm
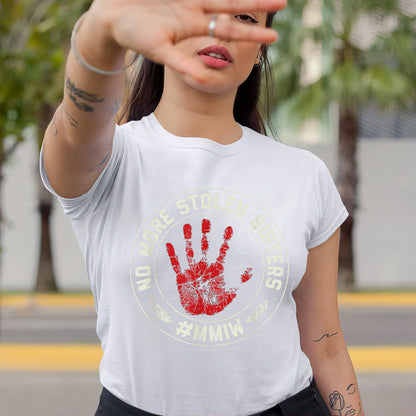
(201, 286)
(154, 27)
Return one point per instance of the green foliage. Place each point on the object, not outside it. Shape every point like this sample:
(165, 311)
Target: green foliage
(354, 72)
(288, 61)
(33, 42)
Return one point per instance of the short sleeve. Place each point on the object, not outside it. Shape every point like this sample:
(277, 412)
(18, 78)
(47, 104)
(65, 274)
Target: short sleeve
(331, 212)
(84, 205)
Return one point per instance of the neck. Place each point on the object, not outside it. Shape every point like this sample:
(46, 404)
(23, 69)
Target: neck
(188, 112)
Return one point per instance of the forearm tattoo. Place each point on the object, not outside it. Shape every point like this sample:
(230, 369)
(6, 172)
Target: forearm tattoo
(325, 336)
(338, 404)
(82, 99)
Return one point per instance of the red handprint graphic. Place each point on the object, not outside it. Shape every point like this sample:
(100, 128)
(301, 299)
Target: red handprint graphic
(201, 287)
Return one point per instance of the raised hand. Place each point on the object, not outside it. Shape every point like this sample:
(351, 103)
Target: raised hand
(201, 286)
(154, 27)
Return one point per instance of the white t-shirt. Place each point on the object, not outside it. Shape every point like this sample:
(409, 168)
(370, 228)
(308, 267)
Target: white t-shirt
(193, 249)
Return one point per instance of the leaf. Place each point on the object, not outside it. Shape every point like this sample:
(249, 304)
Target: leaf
(34, 37)
(387, 86)
(385, 73)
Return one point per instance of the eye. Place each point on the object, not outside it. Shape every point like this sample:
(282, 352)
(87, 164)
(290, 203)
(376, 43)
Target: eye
(246, 18)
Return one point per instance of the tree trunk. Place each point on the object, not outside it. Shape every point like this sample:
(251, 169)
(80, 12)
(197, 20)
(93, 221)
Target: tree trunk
(1, 240)
(45, 279)
(347, 183)
(1, 213)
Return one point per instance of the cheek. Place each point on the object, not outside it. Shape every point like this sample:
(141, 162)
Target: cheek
(249, 52)
(248, 57)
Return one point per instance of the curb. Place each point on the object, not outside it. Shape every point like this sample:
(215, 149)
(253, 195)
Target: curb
(86, 300)
(86, 357)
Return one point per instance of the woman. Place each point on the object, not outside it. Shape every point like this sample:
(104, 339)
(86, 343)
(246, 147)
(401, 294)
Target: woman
(211, 250)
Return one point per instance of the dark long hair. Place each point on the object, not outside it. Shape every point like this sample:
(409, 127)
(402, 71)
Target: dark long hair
(146, 90)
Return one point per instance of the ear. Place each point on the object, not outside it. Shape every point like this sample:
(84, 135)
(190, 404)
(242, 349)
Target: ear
(259, 57)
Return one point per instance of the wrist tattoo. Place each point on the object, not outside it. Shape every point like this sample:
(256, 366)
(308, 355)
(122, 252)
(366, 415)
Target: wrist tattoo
(337, 403)
(79, 96)
(351, 389)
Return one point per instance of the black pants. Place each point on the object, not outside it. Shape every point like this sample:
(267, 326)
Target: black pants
(307, 402)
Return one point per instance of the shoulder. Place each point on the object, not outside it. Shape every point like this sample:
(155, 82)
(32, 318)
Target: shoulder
(132, 127)
(273, 148)
(135, 134)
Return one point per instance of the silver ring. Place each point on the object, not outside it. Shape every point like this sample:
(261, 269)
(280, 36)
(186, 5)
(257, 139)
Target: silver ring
(212, 25)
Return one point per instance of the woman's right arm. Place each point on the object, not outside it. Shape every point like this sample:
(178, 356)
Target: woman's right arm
(78, 141)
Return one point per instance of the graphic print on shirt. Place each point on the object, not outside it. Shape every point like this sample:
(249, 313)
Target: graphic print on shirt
(209, 267)
(201, 286)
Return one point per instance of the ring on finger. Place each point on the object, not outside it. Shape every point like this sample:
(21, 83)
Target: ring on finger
(212, 25)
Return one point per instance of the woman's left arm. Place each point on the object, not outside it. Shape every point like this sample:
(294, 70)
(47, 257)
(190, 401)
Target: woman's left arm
(320, 331)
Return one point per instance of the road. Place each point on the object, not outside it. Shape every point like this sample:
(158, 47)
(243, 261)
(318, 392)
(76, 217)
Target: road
(75, 393)
(361, 325)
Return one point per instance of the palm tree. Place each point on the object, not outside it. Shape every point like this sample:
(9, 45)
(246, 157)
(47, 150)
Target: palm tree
(367, 55)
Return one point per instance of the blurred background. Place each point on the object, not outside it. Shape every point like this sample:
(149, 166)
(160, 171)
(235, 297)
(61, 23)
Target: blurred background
(345, 77)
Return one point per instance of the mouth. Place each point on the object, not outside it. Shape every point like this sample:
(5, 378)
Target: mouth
(216, 56)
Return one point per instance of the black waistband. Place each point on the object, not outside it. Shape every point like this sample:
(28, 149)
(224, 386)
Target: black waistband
(307, 402)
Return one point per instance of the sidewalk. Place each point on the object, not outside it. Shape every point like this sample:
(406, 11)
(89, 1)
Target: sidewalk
(36, 378)
(74, 300)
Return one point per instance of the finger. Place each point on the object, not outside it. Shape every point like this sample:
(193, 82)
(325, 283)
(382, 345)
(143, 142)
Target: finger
(228, 233)
(181, 63)
(206, 228)
(229, 6)
(232, 30)
(174, 261)
(247, 275)
(187, 233)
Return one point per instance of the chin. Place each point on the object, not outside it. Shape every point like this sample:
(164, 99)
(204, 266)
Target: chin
(213, 81)
(211, 84)
(214, 88)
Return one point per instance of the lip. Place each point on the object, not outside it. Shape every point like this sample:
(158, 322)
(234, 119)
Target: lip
(212, 61)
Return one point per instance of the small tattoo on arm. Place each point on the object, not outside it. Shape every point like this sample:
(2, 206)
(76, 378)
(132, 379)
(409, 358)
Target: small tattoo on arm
(98, 165)
(350, 411)
(74, 123)
(325, 336)
(53, 126)
(77, 94)
(351, 389)
(336, 401)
